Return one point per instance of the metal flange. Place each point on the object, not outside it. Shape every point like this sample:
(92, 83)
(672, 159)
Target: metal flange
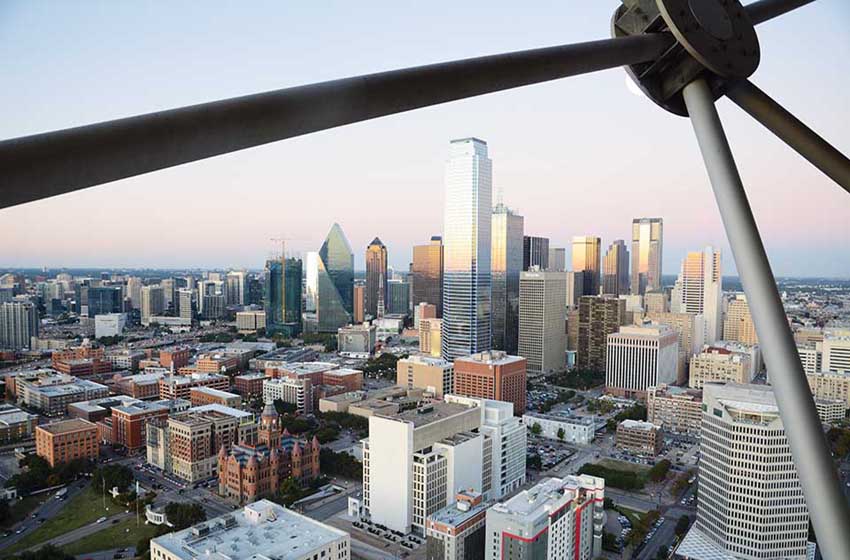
(715, 39)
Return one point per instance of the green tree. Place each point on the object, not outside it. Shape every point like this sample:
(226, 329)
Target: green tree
(285, 407)
(659, 471)
(561, 434)
(46, 552)
(682, 525)
(536, 429)
(340, 464)
(533, 462)
(183, 515)
(290, 491)
(112, 476)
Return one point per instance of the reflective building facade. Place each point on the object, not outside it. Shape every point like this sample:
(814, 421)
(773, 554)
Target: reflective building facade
(535, 252)
(586, 253)
(467, 238)
(282, 296)
(427, 274)
(647, 245)
(376, 278)
(615, 269)
(332, 280)
(506, 265)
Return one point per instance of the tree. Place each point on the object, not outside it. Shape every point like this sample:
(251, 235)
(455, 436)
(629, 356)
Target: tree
(340, 464)
(283, 407)
(46, 552)
(536, 429)
(183, 515)
(327, 434)
(290, 492)
(533, 462)
(561, 434)
(607, 503)
(659, 471)
(112, 476)
(682, 525)
(609, 542)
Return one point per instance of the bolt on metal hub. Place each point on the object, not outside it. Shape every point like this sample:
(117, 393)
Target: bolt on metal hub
(714, 39)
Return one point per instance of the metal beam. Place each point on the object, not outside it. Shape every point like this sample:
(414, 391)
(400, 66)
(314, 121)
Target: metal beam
(54, 163)
(822, 489)
(764, 10)
(792, 131)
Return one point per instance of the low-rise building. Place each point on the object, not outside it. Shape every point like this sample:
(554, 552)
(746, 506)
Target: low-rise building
(559, 518)
(296, 391)
(51, 392)
(457, 532)
(347, 378)
(492, 375)
(67, 440)
(180, 386)
(719, 364)
(571, 429)
(129, 424)
(827, 385)
(640, 438)
(140, 386)
(356, 340)
(260, 530)
(430, 336)
(830, 410)
(675, 409)
(200, 396)
(249, 385)
(15, 424)
(125, 359)
(109, 324)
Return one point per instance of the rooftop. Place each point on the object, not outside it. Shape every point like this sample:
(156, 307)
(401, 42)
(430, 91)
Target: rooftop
(542, 498)
(215, 392)
(341, 372)
(494, 357)
(638, 425)
(142, 378)
(187, 379)
(220, 408)
(430, 413)
(582, 420)
(458, 513)
(66, 426)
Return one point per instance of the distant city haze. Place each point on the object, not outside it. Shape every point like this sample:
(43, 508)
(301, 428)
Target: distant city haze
(581, 156)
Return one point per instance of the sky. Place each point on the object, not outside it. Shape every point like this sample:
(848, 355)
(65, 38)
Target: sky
(579, 156)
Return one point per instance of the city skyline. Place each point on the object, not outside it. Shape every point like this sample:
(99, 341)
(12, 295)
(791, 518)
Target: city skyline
(801, 214)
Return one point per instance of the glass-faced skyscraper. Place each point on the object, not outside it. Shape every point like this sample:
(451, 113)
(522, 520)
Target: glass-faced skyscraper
(506, 265)
(333, 281)
(282, 296)
(428, 274)
(615, 269)
(376, 279)
(467, 238)
(586, 253)
(647, 245)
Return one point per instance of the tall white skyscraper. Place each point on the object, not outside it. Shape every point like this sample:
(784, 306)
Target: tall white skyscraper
(467, 242)
(18, 323)
(647, 246)
(699, 290)
(751, 504)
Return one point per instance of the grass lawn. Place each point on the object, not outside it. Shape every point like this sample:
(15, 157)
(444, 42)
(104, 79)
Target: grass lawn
(81, 510)
(121, 535)
(634, 516)
(23, 508)
(623, 466)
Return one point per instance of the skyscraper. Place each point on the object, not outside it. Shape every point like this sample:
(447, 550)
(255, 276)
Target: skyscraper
(506, 265)
(557, 259)
(638, 357)
(398, 297)
(18, 323)
(236, 283)
(427, 274)
(376, 278)
(615, 269)
(586, 252)
(282, 296)
(542, 320)
(699, 290)
(335, 282)
(647, 245)
(535, 252)
(152, 303)
(359, 312)
(751, 504)
(467, 236)
(598, 316)
(738, 325)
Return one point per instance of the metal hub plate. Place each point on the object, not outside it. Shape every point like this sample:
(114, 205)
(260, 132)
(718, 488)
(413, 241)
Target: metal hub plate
(717, 33)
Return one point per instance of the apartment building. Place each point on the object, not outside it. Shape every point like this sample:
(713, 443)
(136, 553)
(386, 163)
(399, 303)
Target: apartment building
(435, 375)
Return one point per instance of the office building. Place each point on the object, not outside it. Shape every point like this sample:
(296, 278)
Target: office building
(831, 410)
(575, 288)
(675, 409)
(586, 253)
(249, 322)
(430, 331)
(109, 324)
(129, 423)
(719, 364)
(457, 532)
(647, 249)
(134, 292)
(376, 279)
(262, 529)
(559, 518)
(689, 329)
(249, 385)
(751, 504)
(699, 291)
(639, 438)
(153, 303)
(492, 375)
(738, 325)
(811, 357)
(51, 393)
(61, 442)
(200, 396)
(506, 264)
(282, 296)
(180, 386)
(18, 324)
(356, 339)
(428, 274)
(330, 282)
(579, 430)
(656, 302)
(359, 305)
(535, 252)
(236, 287)
(467, 239)
(423, 311)
(103, 300)
(828, 385)
(598, 316)
(186, 306)
(615, 269)
(297, 391)
(641, 356)
(398, 298)
(435, 375)
(141, 386)
(557, 259)
(542, 320)
(836, 353)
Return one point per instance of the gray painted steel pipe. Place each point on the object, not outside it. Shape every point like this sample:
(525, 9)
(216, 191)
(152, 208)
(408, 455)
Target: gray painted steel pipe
(792, 131)
(826, 501)
(765, 10)
(54, 163)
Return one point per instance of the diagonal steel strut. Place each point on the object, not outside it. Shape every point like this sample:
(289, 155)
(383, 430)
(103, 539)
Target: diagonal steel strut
(792, 131)
(822, 489)
(765, 10)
